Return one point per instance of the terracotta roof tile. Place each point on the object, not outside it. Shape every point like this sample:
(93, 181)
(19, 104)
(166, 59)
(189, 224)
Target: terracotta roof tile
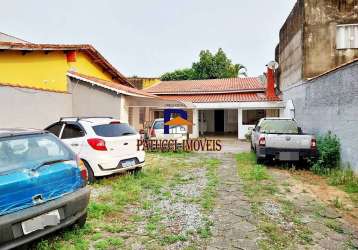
(229, 97)
(228, 85)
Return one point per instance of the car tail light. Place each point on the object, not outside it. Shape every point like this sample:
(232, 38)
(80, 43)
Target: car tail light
(313, 144)
(97, 144)
(262, 141)
(83, 169)
(152, 132)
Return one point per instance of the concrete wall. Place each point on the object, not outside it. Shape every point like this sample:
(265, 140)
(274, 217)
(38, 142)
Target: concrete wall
(88, 100)
(291, 61)
(307, 46)
(321, 19)
(28, 108)
(329, 103)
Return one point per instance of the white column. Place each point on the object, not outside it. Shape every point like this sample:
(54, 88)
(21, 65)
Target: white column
(195, 123)
(124, 109)
(239, 124)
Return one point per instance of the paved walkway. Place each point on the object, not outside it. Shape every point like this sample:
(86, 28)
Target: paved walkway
(234, 224)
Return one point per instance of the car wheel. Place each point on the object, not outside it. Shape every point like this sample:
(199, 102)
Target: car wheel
(23, 247)
(91, 177)
(136, 170)
(82, 220)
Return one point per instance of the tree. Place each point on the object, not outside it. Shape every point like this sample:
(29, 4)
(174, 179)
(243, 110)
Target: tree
(209, 66)
(180, 74)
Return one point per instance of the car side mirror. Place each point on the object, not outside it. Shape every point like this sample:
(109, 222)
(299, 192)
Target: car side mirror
(300, 130)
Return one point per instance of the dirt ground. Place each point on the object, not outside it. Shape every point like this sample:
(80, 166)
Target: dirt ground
(214, 201)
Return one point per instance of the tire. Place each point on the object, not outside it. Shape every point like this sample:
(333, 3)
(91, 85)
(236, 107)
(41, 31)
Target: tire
(23, 247)
(91, 177)
(259, 160)
(81, 221)
(252, 148)
(136, 170)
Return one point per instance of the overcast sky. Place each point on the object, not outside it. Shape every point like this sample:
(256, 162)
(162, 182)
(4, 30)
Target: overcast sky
(150, 37)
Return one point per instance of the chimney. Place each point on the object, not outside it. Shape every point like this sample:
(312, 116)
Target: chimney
(270, 88)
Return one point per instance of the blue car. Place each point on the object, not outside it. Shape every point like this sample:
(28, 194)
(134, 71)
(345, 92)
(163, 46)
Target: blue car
(42, 187)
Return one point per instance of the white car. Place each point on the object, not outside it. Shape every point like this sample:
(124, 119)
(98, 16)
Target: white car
(156, 131)
(105, 145)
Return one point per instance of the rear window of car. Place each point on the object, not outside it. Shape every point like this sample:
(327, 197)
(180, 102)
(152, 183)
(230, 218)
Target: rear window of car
(279, 127)
(114, 130)
(28, 151)
(158, 125)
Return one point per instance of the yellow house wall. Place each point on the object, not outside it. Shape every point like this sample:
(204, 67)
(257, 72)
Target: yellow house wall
(44, 71)
(35, 69)
(85, 66)
(150, 82)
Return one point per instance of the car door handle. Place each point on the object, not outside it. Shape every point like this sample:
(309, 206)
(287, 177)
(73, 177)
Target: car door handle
(75, 144)
(126, 143)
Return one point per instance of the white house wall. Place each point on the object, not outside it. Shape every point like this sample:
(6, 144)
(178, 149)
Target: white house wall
(88, 100)
(29, 108)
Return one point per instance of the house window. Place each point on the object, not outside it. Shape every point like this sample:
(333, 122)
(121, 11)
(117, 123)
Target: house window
(251, 117)
(347, 36)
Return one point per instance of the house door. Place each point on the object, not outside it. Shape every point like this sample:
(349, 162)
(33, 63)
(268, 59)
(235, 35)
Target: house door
(219, 120)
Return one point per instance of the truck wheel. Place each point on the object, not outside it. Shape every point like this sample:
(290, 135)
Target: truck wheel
(82, 220)
(91, 177)
(260, 160)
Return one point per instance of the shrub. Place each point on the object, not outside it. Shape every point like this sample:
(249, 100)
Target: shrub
(329, 154)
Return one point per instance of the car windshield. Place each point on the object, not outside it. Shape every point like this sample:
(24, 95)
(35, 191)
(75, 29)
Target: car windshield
(30, 151)
(279, 127)
(114, 130)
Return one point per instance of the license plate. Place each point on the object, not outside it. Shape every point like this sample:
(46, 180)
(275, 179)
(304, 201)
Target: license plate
(128, 163)
(289, 156)
(40, 222)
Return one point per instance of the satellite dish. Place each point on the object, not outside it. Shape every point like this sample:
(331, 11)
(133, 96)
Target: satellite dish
(272, 65)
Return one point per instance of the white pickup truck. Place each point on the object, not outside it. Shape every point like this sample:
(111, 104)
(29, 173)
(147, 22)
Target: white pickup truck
(281, 139)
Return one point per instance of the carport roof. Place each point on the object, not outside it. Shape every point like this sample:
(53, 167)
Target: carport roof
(113, 86)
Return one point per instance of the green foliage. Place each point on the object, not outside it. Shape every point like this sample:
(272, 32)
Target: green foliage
(329, 154)
(180, 74)
(209, 66)
(346, 178)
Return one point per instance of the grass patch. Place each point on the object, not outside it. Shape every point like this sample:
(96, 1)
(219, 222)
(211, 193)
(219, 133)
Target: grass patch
(209, 193)
(109, 243)
(276, 238)
(173, 238)
(334, 225)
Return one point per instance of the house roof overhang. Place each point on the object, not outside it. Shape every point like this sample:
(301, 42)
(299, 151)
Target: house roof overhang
(138, 98)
